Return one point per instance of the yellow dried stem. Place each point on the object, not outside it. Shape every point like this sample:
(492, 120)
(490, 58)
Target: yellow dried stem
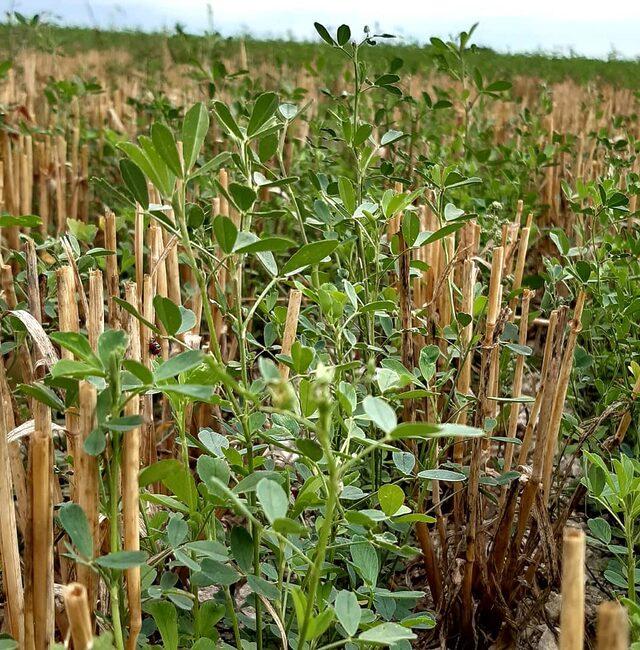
(76, 605)
(172, 266)
(572, 612)
(68, 321)
(560, 395)
(86, 491)
(41, 452)
(290, 328)
(495, 291)
(533, 417)
(130, 490)
(138, 245)
(517, 379)
(11, 572)
(520, 262)
(111, 268)
(95, 319)
(33, 286)
(612, 629)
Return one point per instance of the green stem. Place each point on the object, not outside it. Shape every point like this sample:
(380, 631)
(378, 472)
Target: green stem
(114, 541)
(234, 618)
(333, 489)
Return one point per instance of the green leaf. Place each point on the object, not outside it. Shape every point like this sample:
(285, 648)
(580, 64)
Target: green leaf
(166, 617)
(121, 560)
(177, 531)
(286, 526)
(309, 448)
(600, 529)
(227, 120)
(124, 423)
(219, 573)
(320, 623)
(95, 442)
(387, 634)
(442, 475)
(426, 430)
(381, 414)
(427, 361)
(309, 255)
(263, 109)
(194, 131)
(43, 394)
(391, 497)
(404, 460)
(390, 136)
(74, 521)
(226, 233)
(451, 212)
(149, 166)
(130, 309)
(242, 195)
(560, 239)
(211, 470)
(516, 348)
(165, 144)
(273, 499)
(135, 181)
(348, 611)
(344, 34)
(324, 34)
(75, 369)
(269, 243)
(112, 342)
(168, 314)
(429, 237)
(187, 320)
(366, 561)
(24, 221)
(263, 587)
(241, 544)
(178, 364)
(498, 86)
(347, 194)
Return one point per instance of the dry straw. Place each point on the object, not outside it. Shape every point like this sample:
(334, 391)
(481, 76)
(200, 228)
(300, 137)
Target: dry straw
(77, 607)
(572, 611)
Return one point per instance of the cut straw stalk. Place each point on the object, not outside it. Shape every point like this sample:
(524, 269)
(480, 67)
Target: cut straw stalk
(149, 451)
(561, 393)
(112, 276)
(95, 319)
(77, 607)
(42, 525)
(138, 245)
(68, 322)
(612, 631)
(473, 487)
(130, 490)
(572, 612)
(533, 417)
(463, 385)
(87, 485)
(290, 328)
(11, 574)
(517, 379)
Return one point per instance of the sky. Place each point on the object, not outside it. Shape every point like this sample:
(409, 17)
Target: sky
(558, 26)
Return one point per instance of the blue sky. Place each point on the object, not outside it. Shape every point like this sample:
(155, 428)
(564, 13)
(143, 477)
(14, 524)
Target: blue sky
(551, 25)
